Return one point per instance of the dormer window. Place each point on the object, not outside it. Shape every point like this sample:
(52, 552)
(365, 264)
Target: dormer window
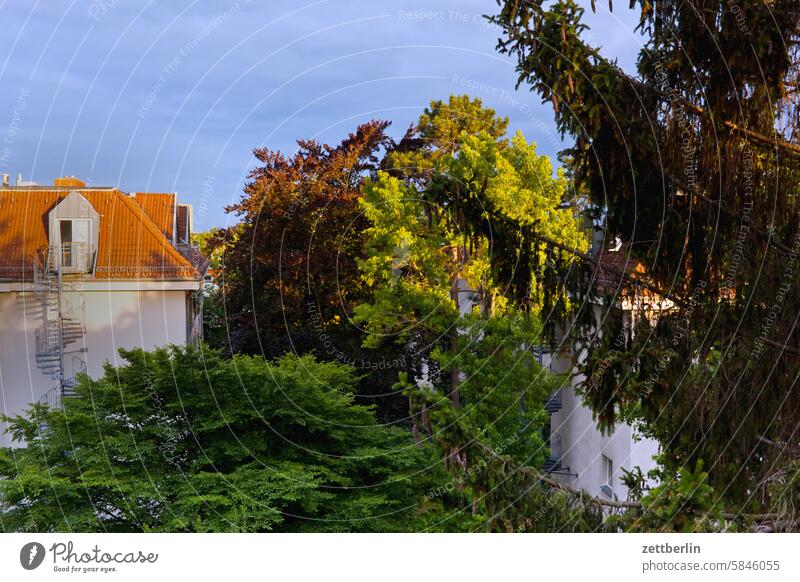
(74, 233)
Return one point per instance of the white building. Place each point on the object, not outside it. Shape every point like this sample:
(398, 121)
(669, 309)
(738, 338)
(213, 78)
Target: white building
(581, 456)
(85, 271)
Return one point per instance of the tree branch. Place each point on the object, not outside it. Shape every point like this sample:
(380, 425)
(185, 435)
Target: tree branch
(636, 281)
(790, 349)
(730, 214)
(775, 140)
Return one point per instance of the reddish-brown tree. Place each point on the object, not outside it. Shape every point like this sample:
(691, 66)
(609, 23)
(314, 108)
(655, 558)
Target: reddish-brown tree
(289, 278)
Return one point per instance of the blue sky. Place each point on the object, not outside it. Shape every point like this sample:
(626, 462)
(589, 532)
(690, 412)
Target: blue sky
(173, 96)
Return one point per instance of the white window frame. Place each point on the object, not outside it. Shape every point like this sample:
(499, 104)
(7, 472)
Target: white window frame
(607, 468)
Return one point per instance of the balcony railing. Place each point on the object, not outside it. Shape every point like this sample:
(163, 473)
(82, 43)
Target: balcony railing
(554, 461)
(71, 257)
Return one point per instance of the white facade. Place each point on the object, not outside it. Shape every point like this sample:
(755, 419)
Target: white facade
(117, 315)
(585, 458)
(85, 272)
(590, 460)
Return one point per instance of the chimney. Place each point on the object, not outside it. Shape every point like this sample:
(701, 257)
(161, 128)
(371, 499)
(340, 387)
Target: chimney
(5, 180)
(184, 224)
(68, 182)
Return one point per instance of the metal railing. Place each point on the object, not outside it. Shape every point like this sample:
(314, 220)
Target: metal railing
(554, 402)
(62, 314)
(69, 257)
(116, 261)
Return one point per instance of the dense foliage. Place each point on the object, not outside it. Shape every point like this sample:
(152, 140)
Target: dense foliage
(439, 246)
(290, 269)
(288, 278)
(185, 440)
(692, 162)
(436, 266)
(456, 253)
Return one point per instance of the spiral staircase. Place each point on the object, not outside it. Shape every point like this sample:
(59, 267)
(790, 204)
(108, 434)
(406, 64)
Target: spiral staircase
(58, 271)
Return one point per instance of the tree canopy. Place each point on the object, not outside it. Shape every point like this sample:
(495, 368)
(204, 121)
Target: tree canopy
(380, 309)
(288, 279)
(692, 162)
(456, 256)
(185, 440)
(288, 275)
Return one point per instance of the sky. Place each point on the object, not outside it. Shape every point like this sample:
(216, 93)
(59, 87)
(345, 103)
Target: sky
(174, 96)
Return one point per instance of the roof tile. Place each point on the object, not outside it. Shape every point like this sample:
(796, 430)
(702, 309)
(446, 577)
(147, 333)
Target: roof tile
(160, 207)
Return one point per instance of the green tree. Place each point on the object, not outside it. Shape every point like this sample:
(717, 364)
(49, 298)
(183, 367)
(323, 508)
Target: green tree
(691, 161)
(465, 212)
(682, 502)
(213, 245)
(214, 242)
(185, 440)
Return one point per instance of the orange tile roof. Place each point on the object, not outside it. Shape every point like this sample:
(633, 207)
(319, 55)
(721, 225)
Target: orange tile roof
(612, 266)
(160, 207)
(130, 246)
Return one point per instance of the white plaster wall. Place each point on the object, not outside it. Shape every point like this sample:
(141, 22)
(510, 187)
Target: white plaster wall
(582, 444)
(113, 319)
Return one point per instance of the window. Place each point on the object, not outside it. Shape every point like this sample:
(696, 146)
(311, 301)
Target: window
(608, 471)
(74, 230)
(74, 239)
(72, 235)
(607, 475)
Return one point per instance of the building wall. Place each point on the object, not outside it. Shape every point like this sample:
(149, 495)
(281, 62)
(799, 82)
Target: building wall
(583, 445)
(113, 319)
